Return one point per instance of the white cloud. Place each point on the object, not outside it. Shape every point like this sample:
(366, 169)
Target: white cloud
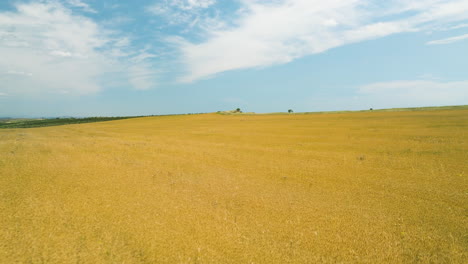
(448, 40)
(57, 50)
(458, 26)
(82, 5)
(20, 73)
(141, 77)
(191, 4)
(393, 94)
(186, 4)
(181, 11)
(414, 92)
(142, 56)
(276, 32)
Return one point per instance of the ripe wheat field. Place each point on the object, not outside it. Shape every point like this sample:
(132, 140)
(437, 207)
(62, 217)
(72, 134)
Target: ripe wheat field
(375, 187)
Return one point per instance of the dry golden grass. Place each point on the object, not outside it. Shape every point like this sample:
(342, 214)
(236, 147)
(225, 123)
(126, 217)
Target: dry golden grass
(354, 187)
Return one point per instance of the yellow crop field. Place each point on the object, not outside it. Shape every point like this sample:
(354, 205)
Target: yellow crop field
(370, 187)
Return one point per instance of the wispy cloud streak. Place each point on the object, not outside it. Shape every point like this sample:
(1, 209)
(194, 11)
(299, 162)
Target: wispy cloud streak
(448, 40)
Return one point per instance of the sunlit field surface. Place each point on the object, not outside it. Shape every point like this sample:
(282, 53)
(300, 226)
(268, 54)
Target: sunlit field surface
(375, 187)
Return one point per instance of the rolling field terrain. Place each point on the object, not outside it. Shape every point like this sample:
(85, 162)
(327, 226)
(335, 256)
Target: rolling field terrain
(370, 187)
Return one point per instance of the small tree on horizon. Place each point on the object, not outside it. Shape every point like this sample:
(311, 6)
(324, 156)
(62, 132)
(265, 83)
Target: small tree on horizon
(238, 110)
(290, 111)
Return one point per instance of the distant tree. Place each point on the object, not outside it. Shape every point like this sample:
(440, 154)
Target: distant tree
(238, 110)
(290, 111)
(371, 109)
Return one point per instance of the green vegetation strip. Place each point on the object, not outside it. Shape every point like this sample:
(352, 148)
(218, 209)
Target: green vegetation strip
(29, 123)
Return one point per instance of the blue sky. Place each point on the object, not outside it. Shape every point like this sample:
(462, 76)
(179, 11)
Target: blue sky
(110, 57)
